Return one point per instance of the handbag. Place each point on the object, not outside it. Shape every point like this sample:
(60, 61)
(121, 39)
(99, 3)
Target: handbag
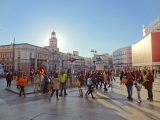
(78, 83)
(124, 80)
(138, 85)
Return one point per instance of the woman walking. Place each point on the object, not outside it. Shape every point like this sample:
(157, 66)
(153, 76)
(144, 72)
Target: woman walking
(89, 84)
(56, 86)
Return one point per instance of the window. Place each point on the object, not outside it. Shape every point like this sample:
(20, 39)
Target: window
(30, 55)
(19, 55)
(3, 55)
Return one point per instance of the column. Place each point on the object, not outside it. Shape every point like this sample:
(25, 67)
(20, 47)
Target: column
(35, 65)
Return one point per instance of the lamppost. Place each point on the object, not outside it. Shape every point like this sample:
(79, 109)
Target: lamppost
(3, 62)
(13, 44)
(94, 51)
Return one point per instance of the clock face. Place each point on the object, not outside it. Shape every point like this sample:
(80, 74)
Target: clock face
(51, 42)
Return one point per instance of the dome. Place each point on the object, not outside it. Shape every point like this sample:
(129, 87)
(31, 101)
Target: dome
(53, 33)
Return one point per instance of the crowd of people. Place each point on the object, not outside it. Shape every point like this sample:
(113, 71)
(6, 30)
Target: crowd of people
(92, 79)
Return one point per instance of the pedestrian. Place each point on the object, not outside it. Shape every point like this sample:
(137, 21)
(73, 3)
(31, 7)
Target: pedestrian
(101, 79)
(138, 84)
(45, 84)
(149, 79)
(89, 84)
(22, 83)
(9, 78)
(130, 77)
(158, 74)
(15, 76)
(32, 77)
(41, 82)
(121, 75)
(56, 85)
(63, 80)
(36, 82)
(105, 78)
(81, 81)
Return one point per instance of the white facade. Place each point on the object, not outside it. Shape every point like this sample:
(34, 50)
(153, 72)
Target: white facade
(122, 57)
(88, 62)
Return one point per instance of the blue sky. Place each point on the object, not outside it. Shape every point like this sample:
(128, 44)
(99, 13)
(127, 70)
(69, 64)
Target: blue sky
(82, 25)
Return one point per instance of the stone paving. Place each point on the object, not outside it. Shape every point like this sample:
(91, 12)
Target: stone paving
(110, 105)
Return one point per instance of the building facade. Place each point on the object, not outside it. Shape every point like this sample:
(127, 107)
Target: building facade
(27, 57)
(145, 53)
(88, 62)
(122, 57)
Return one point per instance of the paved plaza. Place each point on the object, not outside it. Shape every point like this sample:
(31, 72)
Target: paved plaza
(108, 105)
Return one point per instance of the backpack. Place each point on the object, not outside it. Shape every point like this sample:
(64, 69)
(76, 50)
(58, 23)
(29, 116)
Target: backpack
(89, 81)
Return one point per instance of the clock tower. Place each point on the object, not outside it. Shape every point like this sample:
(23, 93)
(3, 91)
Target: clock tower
(53, 40)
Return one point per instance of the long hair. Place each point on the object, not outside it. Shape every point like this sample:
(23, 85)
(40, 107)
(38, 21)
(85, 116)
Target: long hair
(56, 75)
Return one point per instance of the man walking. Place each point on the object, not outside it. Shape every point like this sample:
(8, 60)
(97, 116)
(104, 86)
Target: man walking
(9, 78)
(63, 79)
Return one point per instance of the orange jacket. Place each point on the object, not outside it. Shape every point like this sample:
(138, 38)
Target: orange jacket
(22, 81)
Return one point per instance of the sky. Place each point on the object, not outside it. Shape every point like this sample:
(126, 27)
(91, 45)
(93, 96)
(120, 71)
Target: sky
(80, 25)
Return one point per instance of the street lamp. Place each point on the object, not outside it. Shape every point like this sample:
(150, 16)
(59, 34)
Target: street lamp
(94, 51)
(13, 44)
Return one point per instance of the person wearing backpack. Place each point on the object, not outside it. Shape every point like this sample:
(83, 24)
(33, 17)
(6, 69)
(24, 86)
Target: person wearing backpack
(89, 84)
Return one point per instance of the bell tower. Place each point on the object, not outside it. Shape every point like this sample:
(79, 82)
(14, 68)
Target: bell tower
(53, 40)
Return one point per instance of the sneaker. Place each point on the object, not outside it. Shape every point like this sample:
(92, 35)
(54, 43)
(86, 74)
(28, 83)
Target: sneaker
(57, 99)
(131, 98)
(65, 94)
(138, 101)
(86, 96)
(60, 94)
(93, 97)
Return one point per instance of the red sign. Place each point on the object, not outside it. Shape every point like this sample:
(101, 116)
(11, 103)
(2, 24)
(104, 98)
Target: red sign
(41, 71)
(32, 70)
(72, 59)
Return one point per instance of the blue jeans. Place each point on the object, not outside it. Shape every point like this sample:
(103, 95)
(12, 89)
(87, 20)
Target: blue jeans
(63, 87)
(150, 94)
(138, 93)
(129, 89)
